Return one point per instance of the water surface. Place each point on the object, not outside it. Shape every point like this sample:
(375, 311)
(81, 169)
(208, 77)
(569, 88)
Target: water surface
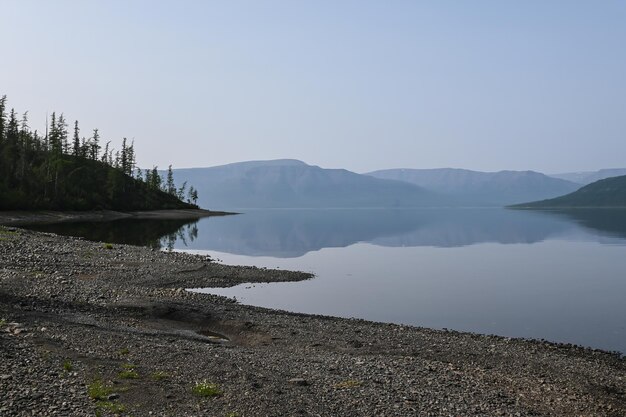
(552, 275)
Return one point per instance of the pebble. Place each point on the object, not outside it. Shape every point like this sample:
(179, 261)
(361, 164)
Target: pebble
(103, 309)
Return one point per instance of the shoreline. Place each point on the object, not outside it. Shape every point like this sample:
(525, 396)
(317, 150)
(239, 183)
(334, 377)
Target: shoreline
(105, 310)
(17, 218)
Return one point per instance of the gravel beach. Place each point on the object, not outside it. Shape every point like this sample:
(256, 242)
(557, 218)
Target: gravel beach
(90, 329)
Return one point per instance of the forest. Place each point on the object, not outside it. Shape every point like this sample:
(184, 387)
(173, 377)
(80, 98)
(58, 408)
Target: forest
(54, 170)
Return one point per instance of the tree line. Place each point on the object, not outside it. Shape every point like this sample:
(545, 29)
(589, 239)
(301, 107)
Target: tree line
(62, 170)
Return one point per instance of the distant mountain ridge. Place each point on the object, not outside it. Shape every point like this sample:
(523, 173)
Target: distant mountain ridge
(482, 188)
(290, 183)
(587, 177)
(606, 193)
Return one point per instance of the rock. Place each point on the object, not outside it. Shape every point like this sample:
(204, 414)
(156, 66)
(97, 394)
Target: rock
(299, 381)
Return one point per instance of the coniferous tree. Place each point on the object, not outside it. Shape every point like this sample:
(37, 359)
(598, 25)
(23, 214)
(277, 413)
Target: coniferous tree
(12, 132)
(24, 144)
(62, 132)
(181, 191)
(24, 123)
(170, 187)
(10, 152)
(85, 147)
(130, 157)
(95, 145)
(105, 154)
(54, 138)
(77, 149)
(193, 195)
(155, 179)
(49, 172)
(12, 136)
(3, 118)
(123, 164)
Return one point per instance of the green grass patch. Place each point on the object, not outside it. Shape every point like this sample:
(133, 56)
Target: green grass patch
(108, 246)
(99, 391)
(6, 234)
(110, 407)
(206, 389)
(3, 322)
(128, 374)
(67, 365)
(128, 371)
(159, 376)
(124, 351)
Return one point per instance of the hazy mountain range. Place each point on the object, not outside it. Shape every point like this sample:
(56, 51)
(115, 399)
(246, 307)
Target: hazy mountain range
(294, 184)
(289, 183)
(483, 188)
(587, 177)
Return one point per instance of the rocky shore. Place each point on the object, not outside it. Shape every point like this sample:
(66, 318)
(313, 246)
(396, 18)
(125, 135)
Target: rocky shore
(92, 329)
(16, 218)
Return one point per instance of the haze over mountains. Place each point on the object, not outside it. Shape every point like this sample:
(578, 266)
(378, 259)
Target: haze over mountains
(288, 183)
(587, 177)
(483, 188)
(293, 184)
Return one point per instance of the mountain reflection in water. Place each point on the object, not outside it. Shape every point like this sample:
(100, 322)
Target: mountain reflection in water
(293, 233)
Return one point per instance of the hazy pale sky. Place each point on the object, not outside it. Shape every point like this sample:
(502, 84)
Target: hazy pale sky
(363, 85)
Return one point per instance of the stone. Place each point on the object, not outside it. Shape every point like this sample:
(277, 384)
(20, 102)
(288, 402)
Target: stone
(298, 381)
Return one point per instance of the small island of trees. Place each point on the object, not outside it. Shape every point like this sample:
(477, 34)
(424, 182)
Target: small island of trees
(53, 171)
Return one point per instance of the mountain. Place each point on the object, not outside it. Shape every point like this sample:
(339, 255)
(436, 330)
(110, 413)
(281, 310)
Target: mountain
(609, 192)
(482, 188)
(289, 183)
(587, 177)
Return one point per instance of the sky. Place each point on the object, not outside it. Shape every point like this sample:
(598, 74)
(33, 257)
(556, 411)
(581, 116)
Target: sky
(361, 85)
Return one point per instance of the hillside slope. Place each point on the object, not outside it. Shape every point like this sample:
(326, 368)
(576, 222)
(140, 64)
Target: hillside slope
(85, 184)
(609, 192)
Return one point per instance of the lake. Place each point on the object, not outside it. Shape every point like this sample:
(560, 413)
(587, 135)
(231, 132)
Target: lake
(554, 275)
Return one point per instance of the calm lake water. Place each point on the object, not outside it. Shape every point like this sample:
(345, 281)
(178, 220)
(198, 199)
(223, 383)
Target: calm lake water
(559, 276)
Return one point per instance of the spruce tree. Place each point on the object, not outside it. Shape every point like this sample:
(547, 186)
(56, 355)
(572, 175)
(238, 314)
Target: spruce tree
(95, 145)
(105, 154)
(3, 119)
(170, 187)
(155, 178)
(76, 139)
(181, 191)
(124, 157)
(54, 139)
(62, 132)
